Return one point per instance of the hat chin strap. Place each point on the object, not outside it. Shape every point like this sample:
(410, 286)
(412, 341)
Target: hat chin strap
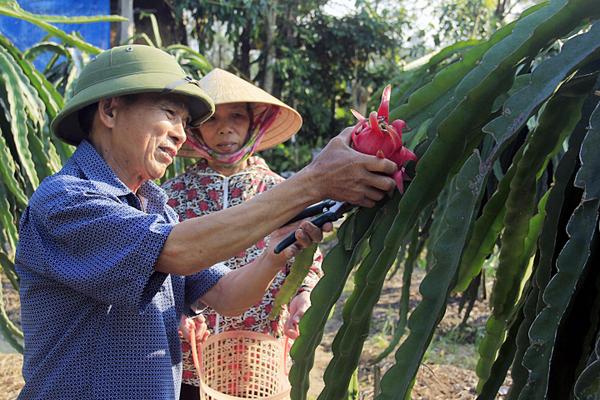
(260, 125)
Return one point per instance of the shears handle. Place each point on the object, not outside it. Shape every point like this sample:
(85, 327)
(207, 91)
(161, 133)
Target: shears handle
(291, 238)
(312, 211)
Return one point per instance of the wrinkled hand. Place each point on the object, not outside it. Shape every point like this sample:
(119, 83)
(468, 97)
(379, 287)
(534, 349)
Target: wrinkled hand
(196, 324)
(306, 235)
(298, 307)
(344, 174)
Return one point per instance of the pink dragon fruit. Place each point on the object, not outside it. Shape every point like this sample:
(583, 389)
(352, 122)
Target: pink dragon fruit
(375, 136)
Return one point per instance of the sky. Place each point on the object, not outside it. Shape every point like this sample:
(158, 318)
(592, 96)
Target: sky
(421, 10)
(424, 8)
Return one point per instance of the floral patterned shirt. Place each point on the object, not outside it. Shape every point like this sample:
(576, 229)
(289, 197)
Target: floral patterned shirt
(200, 190)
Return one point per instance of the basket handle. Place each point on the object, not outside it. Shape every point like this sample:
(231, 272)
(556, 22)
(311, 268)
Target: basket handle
(197, 358)
(286, 350)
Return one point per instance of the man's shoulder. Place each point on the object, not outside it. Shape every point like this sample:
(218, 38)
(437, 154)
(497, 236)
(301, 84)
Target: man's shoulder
(57, 188)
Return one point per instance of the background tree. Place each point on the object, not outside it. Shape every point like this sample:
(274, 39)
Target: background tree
(318, 63)
(473, 19)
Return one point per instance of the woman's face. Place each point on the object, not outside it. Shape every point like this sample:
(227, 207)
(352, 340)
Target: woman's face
(226, 131)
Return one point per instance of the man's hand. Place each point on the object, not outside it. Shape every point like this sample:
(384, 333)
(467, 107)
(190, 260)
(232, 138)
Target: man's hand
(344, 174)
(298, 307)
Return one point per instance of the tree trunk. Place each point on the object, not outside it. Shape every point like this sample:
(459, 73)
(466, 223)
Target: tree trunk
(501, 9)
(285, 29)
(171, 26)
(270, 47)
(332, 111)
(245, 47)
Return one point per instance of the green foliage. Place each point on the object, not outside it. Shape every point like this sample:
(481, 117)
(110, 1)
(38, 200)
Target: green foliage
(293, 281)
(288, 157)
(310, 54)
(518, 99)
(28, 153)
(348, 343)
(414, 250)
(570, 264)
(466, 19)
(337, 265)
(330, 53)
(464, 193)
(588, 383)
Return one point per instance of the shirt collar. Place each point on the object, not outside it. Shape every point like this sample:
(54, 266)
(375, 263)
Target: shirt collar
(157, 198)
(95, 168)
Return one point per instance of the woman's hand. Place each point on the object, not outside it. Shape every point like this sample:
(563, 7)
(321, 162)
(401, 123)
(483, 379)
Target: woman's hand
(298, 307)
(306, 234)
(226, 297)
(197, 325)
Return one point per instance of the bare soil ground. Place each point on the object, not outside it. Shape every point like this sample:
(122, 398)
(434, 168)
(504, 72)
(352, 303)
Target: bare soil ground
(447, 373)
(11, 380)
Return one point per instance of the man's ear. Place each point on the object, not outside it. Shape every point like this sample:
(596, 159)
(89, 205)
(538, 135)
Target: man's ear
(107, 111)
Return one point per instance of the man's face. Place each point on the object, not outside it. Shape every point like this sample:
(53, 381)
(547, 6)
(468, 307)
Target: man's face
(147, 134)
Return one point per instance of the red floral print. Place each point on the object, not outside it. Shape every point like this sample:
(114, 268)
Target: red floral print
(203, 205)
(188, 374)
(211, 320)
(236, 192)
(173, 203)
(178, 186)
(190, 214)
(213, 195)
(185, 346)
(249, 322)
(192, 194)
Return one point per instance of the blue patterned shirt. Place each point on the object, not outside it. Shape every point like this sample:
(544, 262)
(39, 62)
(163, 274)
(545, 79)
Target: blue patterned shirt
(99, 321)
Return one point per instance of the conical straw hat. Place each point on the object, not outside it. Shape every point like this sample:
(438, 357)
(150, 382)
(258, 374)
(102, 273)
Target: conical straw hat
(224, 87)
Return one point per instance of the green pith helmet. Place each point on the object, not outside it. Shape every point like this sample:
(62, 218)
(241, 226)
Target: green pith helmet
(127, 70)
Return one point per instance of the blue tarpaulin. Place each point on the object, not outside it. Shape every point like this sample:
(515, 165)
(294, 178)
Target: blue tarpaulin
(24, 34)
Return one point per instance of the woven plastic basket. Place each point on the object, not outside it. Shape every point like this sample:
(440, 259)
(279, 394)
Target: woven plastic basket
(242, 365)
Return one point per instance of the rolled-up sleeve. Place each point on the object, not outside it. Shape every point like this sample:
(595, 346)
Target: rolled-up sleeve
(100, 246)
(197, 285)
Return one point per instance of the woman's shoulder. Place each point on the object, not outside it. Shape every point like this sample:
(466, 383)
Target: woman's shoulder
(259, 166)
(193, 173)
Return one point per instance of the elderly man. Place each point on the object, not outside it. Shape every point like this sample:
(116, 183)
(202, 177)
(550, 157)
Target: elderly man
(106, 270)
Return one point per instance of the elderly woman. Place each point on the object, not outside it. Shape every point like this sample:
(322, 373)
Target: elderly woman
(246, 120)
(105, 268)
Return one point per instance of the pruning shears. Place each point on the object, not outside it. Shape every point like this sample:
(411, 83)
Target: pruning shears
(330, 211)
